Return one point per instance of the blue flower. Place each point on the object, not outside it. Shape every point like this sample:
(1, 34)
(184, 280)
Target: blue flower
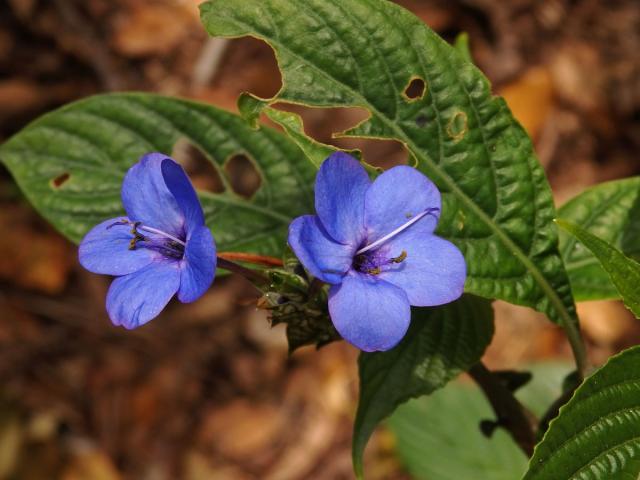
(374, 243)
(162, 247)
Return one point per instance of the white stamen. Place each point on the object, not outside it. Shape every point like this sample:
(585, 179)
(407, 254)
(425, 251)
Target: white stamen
(160, 232)
(396, 231)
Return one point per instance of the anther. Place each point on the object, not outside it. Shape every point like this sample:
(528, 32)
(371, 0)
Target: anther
(134, 228)
(400, 258)
(137, 236)
(124, 221)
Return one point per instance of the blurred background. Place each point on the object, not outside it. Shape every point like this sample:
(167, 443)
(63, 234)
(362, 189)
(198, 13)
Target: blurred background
(207, 391)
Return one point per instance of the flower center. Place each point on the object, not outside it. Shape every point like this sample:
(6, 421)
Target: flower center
(154, 239)
(372, 258)
(372, 262)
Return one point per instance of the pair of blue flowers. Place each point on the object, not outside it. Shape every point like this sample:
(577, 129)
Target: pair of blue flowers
(373, 242)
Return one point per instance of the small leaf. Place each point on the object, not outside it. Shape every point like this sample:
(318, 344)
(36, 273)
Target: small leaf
(441, 343)
(70, 164)
(623, 271)
(597, 435)
(610, 211)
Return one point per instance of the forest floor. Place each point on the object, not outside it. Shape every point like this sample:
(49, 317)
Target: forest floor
(208, 391)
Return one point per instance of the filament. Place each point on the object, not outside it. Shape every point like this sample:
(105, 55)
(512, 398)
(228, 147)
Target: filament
(401, 228)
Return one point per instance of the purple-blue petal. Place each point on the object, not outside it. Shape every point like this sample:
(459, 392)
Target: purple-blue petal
(341, 185)
(180, 186)
(105, 250)
(326, 259)
(433, 272)
(198, 267)
(136, 298)
(368, 312)
(147, 199)
(395, 197)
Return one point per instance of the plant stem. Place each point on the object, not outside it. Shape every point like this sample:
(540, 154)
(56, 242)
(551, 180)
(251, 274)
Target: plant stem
(252, 275)
(251, 258)
(510, 413)
(577, 347)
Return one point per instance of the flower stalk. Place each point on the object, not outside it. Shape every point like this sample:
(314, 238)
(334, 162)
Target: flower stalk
(251, 275)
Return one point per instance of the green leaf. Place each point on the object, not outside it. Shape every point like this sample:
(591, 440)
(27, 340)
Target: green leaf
(438, 437)
(440, 344)
(623, 271)
(596, 434)
(251, 107)
(610, 211)
(461, 44)
(364, 53)
(91, 144)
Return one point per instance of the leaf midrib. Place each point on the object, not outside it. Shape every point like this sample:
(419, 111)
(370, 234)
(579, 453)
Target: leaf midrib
(453, 188)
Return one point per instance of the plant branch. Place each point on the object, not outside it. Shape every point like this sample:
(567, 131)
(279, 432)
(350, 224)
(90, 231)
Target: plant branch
(510, 413)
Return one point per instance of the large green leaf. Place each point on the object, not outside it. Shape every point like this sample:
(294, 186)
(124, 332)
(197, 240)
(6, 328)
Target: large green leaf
(438, 437)
(623, 271)
(96, 140)
(440, 344)
(364, 53)
(610, 211)
(596, 436)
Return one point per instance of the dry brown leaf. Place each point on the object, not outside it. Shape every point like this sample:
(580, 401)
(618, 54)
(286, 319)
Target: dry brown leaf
(530, 98)
(152, 29)
(92, 465)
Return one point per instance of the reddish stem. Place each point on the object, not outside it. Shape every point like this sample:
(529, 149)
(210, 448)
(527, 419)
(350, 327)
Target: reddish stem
(251, 258)
(252, 275)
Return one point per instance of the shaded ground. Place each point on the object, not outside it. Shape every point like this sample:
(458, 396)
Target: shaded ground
(207, 390)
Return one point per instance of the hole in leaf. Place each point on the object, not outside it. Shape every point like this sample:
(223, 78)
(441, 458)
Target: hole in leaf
(380, 153)
(250, 66)
(322, 123)
(243, 175)
(60, 180)
(415, 90)
(203, 172)
(457, 126)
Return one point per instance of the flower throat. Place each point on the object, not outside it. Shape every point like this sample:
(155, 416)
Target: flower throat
(163, 242)
(369, 259)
